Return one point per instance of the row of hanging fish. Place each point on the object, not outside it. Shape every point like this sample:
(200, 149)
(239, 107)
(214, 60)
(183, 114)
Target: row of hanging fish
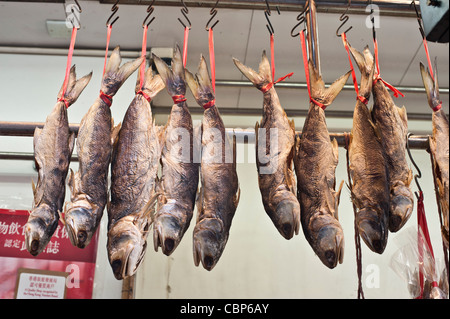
(140, 199)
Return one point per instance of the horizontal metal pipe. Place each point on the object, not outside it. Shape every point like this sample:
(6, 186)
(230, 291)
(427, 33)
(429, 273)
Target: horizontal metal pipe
(242, 135)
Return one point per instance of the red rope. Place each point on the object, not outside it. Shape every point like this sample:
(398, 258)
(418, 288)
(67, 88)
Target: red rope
(305, 64)
(108, 37)
(355, 82)
(143, 54)
(185, 45)
(145, 95)
(106, 98)
(212, 59)
(423, 225)
(177, 99)
(69, 63)
(377, 74)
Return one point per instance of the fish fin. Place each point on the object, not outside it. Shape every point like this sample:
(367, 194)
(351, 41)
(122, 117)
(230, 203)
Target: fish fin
(292, 124)
(199, 203)
(173, 77)
(403, 116)
(33, 186)
(334, 89)
(71, 181)
(74, 86)
(114, 75)
(337, 197)
(260, 78)
(115, 134)
(152, 83)
(200, 84)
(335, 148)
(431, 87)
(237, 197)
(61, 218)
(71, 142)
(365, 62)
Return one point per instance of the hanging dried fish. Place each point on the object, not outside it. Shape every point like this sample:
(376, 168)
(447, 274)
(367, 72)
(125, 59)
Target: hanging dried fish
(368, 169)
(134, 169)
(53, 146)
(89, 186)
(275, 137)
(439, 146)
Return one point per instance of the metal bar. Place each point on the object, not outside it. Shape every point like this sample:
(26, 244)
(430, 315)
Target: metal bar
(242, 136)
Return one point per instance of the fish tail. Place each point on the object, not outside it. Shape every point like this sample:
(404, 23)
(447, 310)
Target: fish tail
(115, 75)
(173, 77)
(200, 83)
(260, 78)
(74, 86)
(318, 91)
(152, 83)
(431, 87)
(365, 62)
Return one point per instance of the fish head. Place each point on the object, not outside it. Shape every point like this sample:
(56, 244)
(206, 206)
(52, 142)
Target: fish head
(402, 204)
(39, 229)
(327, 239)
(287, 217)
(372, 228)
(209, 241)
(127, 242)
(168, 228)
(81, 221)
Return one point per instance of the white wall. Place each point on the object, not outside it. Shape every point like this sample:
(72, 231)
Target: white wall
(257, 261)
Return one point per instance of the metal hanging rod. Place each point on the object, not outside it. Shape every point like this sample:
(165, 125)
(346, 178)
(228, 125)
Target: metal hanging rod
(242, 136)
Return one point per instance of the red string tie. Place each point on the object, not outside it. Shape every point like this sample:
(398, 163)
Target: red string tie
(209, 104)
(106, 98)
(145, 95)
(62, 99)
(438, 107)
(177, 99)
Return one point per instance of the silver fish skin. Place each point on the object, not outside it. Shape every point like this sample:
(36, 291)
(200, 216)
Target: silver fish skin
(439, 146)
(275, 177)
(53, 146)
(89, 185)
(315, 160)
(219, 193)
(179, 171)
(368, 169)
(392, 123)
(133, 190)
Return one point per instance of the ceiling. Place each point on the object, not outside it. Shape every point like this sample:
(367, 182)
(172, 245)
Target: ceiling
(241, 33)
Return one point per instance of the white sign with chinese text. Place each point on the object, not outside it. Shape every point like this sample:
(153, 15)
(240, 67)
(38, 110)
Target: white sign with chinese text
(40, 284)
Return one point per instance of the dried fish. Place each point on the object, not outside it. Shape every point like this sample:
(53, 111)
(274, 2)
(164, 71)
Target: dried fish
(134, 169)
(219, 193)
(315, 160)
(275, 137)
(53, 146)
(179, 179)
(89, 186)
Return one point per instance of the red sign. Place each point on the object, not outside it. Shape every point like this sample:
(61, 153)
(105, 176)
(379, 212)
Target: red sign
(58, 255)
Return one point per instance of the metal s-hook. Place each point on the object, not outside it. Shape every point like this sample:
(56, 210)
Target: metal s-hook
(114, 10)
(74, 15)
(419, 175)
(301, 19)
(184, 12)
(267, 13)
(213, 13)
(150, 10)
(419, 19)
(344, 18)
